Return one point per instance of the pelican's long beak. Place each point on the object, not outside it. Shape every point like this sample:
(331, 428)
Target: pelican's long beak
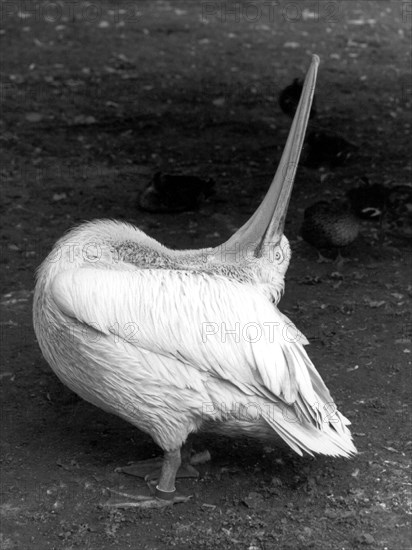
(267, 223)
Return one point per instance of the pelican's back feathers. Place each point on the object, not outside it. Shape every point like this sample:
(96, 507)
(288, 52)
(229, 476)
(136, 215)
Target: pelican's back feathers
(222, 341)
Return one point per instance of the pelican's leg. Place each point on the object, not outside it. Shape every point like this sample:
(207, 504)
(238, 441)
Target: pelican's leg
(171, 464)
(152, 468)
(164, 493)
(185, 468)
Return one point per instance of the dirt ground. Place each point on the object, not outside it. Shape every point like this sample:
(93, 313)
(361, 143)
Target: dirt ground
(95, 99)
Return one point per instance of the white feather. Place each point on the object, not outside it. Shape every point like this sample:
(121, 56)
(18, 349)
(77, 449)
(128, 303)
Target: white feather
(154, 346)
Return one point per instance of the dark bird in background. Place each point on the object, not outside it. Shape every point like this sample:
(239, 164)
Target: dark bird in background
(368, 200)
(324, 148)
(289, 99)
(390, 206)
(330, 227)
(175, 193)
(399, 211)
(321, 148)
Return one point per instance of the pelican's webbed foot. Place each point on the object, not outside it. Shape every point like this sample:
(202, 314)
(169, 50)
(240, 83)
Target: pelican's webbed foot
(125, 500)
(166, 471)
(151, 469)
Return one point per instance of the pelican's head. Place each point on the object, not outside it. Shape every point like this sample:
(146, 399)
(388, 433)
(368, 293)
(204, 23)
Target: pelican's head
(279, 255)
(262, 235)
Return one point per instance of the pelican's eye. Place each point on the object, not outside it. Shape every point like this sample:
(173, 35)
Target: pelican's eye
(278, 256)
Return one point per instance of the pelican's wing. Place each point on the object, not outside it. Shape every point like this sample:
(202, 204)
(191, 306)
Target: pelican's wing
(228, 332)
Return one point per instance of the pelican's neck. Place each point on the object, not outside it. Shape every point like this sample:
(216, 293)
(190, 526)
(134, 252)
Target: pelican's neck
(144, 252)
(107, 244)
(233, 265)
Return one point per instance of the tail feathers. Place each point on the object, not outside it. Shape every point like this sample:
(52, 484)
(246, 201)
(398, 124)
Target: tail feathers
(333, 439)
(315, 408)
(301, 437)
(306, 417)
(327, 436)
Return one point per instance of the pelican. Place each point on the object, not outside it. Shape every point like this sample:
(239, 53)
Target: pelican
(178, 341)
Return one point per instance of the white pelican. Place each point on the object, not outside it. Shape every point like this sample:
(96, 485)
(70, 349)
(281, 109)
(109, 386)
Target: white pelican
(143, 331)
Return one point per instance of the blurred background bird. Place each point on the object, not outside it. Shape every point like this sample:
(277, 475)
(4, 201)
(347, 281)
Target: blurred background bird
(368, 200)
(289, 99)
(326, 148)
(321, 147)
(330, 227)
(398, 213)
(175, 193)
(391, 206)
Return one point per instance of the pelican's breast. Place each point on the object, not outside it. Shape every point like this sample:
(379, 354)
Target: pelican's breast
(103, 366)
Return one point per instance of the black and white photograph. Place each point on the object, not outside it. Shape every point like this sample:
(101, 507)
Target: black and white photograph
(206, 236)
